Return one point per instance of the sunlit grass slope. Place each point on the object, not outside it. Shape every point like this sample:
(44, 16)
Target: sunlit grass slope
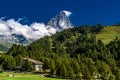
(109, 33)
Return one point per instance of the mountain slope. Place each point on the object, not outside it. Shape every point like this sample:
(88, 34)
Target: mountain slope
(60, 22)
(109, 33)
(75, 51)
(3, 48)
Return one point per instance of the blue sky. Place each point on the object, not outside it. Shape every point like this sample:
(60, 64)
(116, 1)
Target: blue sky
(89, 12)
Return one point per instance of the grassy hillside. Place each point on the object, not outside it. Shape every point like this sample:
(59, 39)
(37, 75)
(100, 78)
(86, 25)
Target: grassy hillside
(73, 54)
(3, 48)
(109, 33)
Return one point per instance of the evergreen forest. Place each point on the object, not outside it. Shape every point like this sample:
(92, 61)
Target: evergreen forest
(74, 53)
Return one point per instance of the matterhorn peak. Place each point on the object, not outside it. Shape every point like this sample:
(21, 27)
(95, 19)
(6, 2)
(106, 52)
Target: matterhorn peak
(61, 21)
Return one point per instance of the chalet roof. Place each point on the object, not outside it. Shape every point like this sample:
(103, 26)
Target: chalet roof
(33, 61)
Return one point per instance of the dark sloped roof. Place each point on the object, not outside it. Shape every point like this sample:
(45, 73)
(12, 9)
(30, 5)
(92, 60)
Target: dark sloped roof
(34, 61)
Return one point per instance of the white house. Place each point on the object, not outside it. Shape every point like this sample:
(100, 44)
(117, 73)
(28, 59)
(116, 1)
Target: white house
(38, 66)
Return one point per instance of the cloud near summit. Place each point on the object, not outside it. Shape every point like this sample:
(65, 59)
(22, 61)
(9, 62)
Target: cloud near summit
(34, 31)
(68, 13)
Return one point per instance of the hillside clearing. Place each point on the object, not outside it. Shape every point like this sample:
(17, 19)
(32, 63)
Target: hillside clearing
(108, 34)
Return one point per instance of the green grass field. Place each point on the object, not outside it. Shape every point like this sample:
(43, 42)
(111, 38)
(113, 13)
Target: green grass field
(22, 76)
(109, 33)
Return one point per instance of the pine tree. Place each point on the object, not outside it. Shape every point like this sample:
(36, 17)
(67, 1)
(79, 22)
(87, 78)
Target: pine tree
(28, 65)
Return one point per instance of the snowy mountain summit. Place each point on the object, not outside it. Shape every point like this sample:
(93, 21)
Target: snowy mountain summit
(61, 21)
(14, 32)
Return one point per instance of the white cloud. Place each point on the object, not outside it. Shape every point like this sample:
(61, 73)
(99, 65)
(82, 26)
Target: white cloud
(19, 19)
(51, 30)
(2, 18)
(33, 31)
(68, 13)
(4, 29)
